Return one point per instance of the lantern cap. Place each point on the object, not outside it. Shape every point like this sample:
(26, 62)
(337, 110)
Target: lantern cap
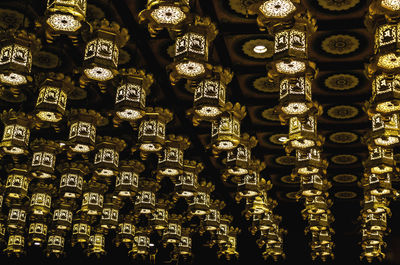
(39, 144)
(122, 34)
(164, 114)
(40, 186)
(11, 116)
(104, 140)
(134, 165)
(200, 24)
(68, 84)
(149, 184)
(30, 39)
(178, 140)
(86, 115)
(12, 167)
(147, 79)
(192, 165)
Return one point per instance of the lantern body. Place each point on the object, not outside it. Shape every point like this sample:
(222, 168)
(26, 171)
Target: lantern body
(16, 137)
(238, 159)
(385, 129)
(106, 160)
(225, 132)
(55, 244)
(316, 204)
(82, 134)
(211, 220)
(151, 133)
(127, 182)
(109, 218)
(200, 203)
(159, 219)
(16, 243)
(375, 221)
(16, 218)
(130, 100)
(308, 161)
(385, 87)
(185, 246)
(249, 185)
(312, 185)
(71, 184)
(96, 244)
(170, 163)
(209, 97)
(186, 184)
(126, 232)
(80, 232)
(37, 233)
(62, 218)
(302, 132)
(387, 38)
(380, 160)
(65, 17)
(294, 94)
(51, 102)
(291, 43)
(318, 222)
(142, 243)
(172, 234)
(43, 163)
(40, 203)
(92, 203)
(17, 184)
(378, 184)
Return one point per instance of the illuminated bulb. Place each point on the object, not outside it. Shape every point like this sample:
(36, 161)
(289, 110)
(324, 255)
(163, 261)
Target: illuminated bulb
(190, 68)
(48, 116)
(13, 150)
(301, 144)
(208, 111)
(168, 15)
(129, 114)
(150, 147)
(277, 8)
(291, 67)
(389, 61)
(169, 172)
(295, 108)
(387, 106)
(307, 171)
(105, 172)
(225, 145)
(248, 193)
(62, 22)
(99, 73)
(391, 140)
(393, 5)
(381, 169)
(13, 79)
(239, 171)
(80, 148)
(260, 49)
(282, 139)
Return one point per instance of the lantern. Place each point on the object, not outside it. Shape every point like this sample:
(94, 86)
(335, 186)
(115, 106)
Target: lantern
(37, 233)
(292, 42)
(309, 161)
(374, 204)
(321, 237)
(146, 198)
(191, 51)
(93, 198)
(378, 184)
(223, 230)
(212, 219)
(52, 99)
(251, 184)
(303, 133)
(106, 160)
(159, 218)
(318, 222)
(130, 99)
(62, 214)
(127, 181)
(16, 57)
(225, 132)
(185, 243)
(375, 221)
(170, 162)
(44, 158)
(312, 185)
(100, 61)
(151, 135)
(199, 204)
(16, 217)
(109, 218)
(186, 184)
(316, 204)
(15, 244)
(80, 230)
(126, 231)
(172, 233)
(385, 87)
(16, 133)
(385, 129)
(141, 245)
(210, 94)
(96, 244)
(55, 243)
(82, 133)
(64, 17)
(229, 248)
(380, 160)
(371, 237)
(273, 250)
(17, 182)
(322, 251)
(71, 183)
(372, 251)
(164, 14)
(41, 198)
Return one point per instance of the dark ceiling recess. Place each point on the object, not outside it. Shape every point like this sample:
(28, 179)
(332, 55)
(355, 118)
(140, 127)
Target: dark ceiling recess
(340, 48)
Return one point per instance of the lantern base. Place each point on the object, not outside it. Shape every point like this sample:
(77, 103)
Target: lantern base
(208, 111)
(80, 148)
(49, 116)
(99, 73)
(63, 23)
(129, 114)
(13, 79)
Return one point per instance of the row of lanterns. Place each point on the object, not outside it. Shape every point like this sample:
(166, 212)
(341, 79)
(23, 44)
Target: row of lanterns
(383, 111)
(292, 25)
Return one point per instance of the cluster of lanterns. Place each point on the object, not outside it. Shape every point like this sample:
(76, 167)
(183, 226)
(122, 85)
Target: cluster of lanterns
(292, 27)
(383, 110)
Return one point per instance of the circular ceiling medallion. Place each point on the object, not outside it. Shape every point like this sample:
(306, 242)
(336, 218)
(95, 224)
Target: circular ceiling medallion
(344, 159)
(124, 57)
(343, 137)
(241, 6)
(291, 195)
(345, 178)
(338, 5)
(285, 160)
(340, 44)
(290, 180)
(264, 85)
(269, 114)
(277, 138)
(46, 60)
(12, 19)
(342, 112)
(345, 194)
(341, 81)
(258, 48)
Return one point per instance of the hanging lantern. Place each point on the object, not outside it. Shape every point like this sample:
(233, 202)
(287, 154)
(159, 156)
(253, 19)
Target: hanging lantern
(229, 248)
(375, 221)
(185, 244)
(372, 237)
(82, 133)
(268, 221)
(170, 162)
(62, 214)
(52, 99)
(110, 216)
(159, 218)
(80, 230)
(251, 185)
(93, 198)
(165, 14)
(238, 159)
(303, 133)
(322, 251)
(127, 181)
(389, 8)
(225, 132)
(16, 217)
(16, 133)
(259, 204)
(17, 182)
(318, 222)
(321, 237)
(71, 183)
(210, 94)
(191, 51)
(374, 204)
(293, 42)
(37, 233)
(43, 158)
(212, 219)
(130, 99)
(106, 160)
(186, 184)
(372, 251)
(380, 160)
(223, 230)
(146, 198)
(97, 243)
(309, 161)
(316, 204)
(274, 250)
(385, 87)
(312, 185)
(100, 61)
(378, 184)
(126, 231)
(172, 233)
(199, 204)
(141, 245)
(64, 17)
(41, 198)
(16, 57)
(385, 129)
(16, 244)
(55, 243)
(151, 135)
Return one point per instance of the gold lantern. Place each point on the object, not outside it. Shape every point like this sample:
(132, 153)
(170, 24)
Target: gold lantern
(37, 233)
(212, 219)
(55, 243)
(127, 181)
(374, 204)
(16, 57)
(64, 17)
(165, 14)
(71, 183)
(173, 231)
(106, 159)
(321, 237)
(385, 87)
(291, 42)
(126, 231)
(41, 198)
(223, 229)
(110, 216)
(228, 249)
(160, 216)
(170, 162)
(225, 131)
(318, 222)
(97, 243)
(16, 133)
(375, 221)
(378, 184)
(385, 130)
(62, 214)
(389, 8)
(274, 250)
(93, 198)
(316, 204)
(309, 161)
(146, 197)
(43, 158)
(380, 160)
(199, 204)
(16, 244)
(52, 99)
(372, 237)
(151, 136)
(186, 184)
(238, 160)
(16, 217)
(322, 251)
(81, 230)
(252, 184)
(17, 182)
(82, 132)
(372, 251)
(100, 61)
(312, 185)
(191, 51)
(185, 244)
(130, 99)
(210, 94)
(141, 244)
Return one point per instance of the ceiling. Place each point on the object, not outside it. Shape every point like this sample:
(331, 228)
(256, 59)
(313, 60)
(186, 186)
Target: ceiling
(340, 48)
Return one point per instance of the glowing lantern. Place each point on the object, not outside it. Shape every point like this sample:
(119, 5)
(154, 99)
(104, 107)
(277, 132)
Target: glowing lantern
(170, 162)
(71, 183)
(127, 181)
(44, 158)
(16, 133)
